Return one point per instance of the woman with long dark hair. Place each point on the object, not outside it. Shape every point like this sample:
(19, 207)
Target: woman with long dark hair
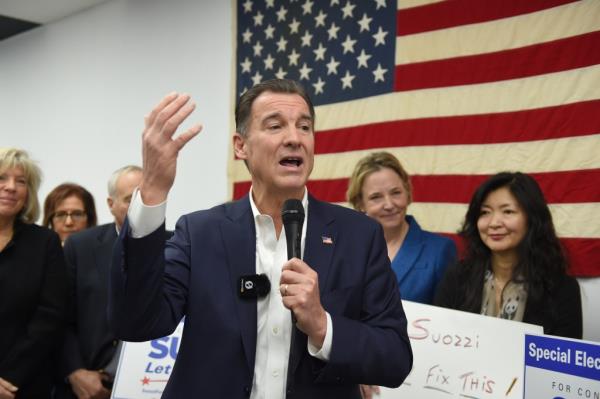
(514, 266)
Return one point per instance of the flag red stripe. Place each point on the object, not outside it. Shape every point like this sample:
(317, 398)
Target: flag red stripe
(240, 189)
(578, 186)
(582, 253)
(583, 256)
(575, 186)
(570, 120)
(558, 55)
(447, 14)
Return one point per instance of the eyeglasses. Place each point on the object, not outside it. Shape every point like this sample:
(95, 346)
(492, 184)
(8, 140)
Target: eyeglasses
(76, 216)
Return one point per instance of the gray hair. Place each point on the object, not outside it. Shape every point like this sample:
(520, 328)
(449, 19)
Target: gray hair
(112, 182)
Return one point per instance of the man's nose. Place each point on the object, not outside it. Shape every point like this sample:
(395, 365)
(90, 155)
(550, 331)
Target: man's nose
(292, 136)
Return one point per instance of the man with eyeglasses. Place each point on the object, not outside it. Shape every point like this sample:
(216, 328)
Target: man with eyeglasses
(90, 354)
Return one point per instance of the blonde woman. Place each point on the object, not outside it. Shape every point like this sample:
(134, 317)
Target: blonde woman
(380, 187)
(33, 292)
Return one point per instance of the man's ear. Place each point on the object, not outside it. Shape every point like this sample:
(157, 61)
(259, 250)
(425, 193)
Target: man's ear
(109, 202)
(239, 146)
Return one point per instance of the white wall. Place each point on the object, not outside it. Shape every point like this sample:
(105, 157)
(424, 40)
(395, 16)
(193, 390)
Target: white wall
(74, 94)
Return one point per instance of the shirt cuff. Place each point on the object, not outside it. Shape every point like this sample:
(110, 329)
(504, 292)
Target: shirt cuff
(325, 351)
(144, 219)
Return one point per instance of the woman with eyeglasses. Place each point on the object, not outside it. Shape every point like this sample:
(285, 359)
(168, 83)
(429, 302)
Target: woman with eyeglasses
(69, 208)
(33, 283)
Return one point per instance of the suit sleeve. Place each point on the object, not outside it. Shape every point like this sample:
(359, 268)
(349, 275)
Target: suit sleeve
(144, 302)
(375, 348)
(45, 328)
(71, 358)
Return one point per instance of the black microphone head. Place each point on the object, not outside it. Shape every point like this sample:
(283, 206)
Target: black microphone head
(292, 211)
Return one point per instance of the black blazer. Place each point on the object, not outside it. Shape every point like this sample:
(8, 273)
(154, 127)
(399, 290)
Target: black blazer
(559, 312)
(33, 302)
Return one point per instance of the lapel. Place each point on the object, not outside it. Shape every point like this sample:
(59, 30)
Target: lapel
(239, 238)
(317, 254)
(102, 252)
(410, 251)
(320, 227)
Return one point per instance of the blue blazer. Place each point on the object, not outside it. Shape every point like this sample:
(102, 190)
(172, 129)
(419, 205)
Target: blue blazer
(421, 262)
(196, 275)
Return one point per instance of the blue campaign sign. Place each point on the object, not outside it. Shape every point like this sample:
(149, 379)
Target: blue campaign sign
(564, 356)
(561, 368)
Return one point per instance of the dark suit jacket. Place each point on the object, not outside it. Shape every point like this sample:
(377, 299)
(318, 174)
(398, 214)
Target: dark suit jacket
(559, 312)
(421, 262)
(204, 259)
(33, 306)
(89, 343)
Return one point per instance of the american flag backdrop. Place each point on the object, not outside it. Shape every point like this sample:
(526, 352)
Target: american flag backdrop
(457, 90)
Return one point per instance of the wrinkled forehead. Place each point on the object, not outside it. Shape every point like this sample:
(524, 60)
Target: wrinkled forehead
(270, 104)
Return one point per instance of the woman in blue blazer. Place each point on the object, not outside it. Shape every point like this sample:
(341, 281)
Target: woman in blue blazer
(380, 187)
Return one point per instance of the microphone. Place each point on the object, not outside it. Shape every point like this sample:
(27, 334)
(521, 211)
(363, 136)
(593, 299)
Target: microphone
(292, 214)
(254, 286)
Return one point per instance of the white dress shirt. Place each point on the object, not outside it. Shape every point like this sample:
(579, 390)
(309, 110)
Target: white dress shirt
(274, 323)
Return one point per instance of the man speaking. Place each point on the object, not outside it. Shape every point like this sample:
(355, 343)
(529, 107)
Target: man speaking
(226, 269)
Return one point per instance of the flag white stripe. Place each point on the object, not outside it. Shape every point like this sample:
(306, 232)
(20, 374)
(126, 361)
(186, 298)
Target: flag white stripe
(570, 220)
(404, 4)
(510, 95)
(522, 30)
(565, 154)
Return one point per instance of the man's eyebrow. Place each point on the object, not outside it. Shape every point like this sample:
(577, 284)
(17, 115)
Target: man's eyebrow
(277, 114)
(274, 114)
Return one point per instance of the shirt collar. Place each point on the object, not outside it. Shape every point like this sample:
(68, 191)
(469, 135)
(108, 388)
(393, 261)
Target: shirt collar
(256, 212)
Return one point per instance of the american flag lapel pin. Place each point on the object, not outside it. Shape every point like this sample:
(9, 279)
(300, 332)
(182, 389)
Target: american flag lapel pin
(327, 240)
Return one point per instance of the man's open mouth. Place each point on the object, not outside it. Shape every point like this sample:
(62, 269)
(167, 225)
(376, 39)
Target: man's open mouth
(291, 161)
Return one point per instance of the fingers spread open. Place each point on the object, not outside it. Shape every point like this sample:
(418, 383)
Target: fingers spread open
(186, 136)
(168, 120)
(168, 99)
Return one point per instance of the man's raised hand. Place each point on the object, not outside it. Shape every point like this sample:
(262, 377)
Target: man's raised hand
(160, 147)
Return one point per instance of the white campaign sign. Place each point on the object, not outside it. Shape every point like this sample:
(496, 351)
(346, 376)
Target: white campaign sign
(145, 367)
(456, 355)
(462, 355)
